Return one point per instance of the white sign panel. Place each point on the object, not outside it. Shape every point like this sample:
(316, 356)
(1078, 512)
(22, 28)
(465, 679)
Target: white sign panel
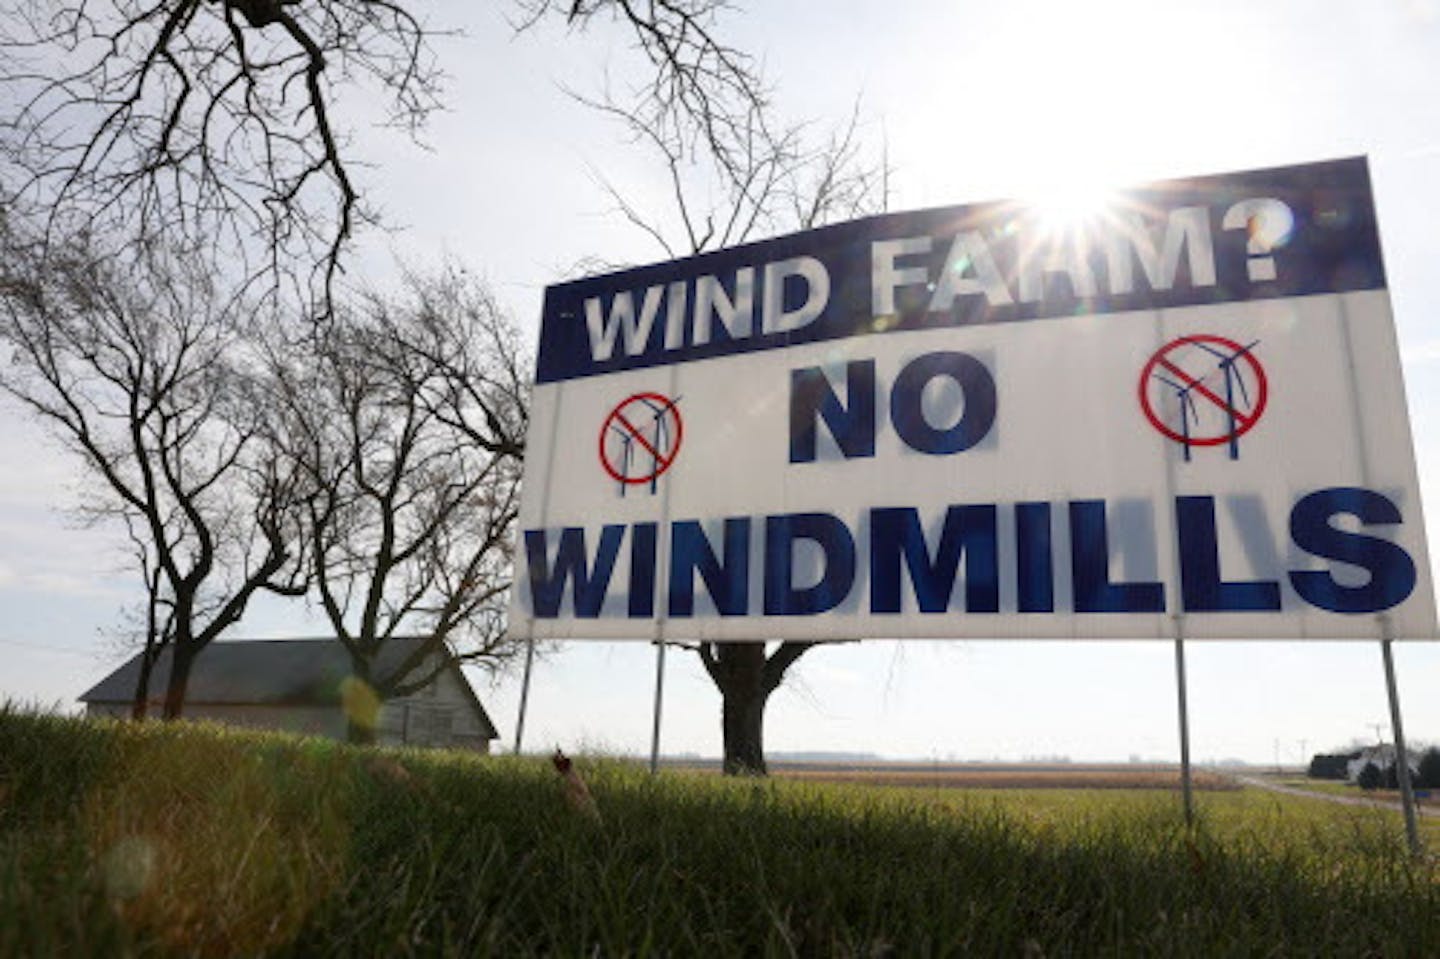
(1183, 418)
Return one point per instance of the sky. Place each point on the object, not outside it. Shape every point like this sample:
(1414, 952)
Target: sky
(973, 101)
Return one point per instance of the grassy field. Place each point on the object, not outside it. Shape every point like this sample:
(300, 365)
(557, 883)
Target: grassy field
(943, 776)
(153, 839)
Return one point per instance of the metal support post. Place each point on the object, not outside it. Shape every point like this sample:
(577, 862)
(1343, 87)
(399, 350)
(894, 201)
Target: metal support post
(524, 693)
(659, 700)
(1402, 758)
(1183, 700)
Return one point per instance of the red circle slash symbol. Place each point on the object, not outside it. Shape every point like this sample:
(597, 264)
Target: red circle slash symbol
(640, 439)
(1204, 390)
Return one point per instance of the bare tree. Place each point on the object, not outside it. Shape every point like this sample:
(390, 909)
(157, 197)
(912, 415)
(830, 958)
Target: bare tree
(141, 373)
(218, 122)
(408, 418)
(751, 177)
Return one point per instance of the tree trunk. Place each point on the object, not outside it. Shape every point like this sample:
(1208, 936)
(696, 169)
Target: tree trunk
(361, 702)
(181, 657)
(743, 723)
(140, 705)
(746, 678)
(155, 643)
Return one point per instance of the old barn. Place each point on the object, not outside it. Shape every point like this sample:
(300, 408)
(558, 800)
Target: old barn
(300, 686)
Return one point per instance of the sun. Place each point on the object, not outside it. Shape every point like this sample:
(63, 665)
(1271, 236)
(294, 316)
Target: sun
(1065, 205)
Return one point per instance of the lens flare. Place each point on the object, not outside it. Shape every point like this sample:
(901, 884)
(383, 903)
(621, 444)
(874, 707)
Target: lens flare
(1064, 207)
(361, 703)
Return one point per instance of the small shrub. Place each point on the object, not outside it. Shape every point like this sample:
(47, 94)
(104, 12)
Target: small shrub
(1370, 777)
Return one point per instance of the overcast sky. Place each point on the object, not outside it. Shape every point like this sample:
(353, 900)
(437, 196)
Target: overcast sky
(974, 101)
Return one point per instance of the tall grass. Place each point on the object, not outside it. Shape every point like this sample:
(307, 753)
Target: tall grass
(160, 839)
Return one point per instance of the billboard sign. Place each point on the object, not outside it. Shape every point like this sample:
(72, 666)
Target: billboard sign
(1183, 417)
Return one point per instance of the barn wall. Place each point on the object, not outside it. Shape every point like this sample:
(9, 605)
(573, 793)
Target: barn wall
(439, 715)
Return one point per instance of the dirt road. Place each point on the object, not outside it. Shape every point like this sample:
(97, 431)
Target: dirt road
(1260, 783)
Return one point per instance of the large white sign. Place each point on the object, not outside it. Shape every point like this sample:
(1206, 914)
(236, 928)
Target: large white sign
(1183, 418)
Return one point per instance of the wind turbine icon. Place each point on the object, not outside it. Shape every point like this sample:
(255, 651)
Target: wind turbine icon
(1232, 380)
(1184, 386)
(1187, 408)
(659, 430)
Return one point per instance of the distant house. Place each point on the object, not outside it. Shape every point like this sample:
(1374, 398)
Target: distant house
(1383, 758)
(298, 685)
(1332, 765)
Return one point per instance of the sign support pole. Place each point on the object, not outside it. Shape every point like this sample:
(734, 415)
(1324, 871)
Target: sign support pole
(1184, 706)
(659, 700)
(1402, 759)
(524, 692)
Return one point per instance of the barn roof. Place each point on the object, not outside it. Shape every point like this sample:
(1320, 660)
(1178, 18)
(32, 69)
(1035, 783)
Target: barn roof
(293, 672)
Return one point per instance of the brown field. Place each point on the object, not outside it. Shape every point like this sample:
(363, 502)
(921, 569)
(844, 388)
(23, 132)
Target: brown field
(979, 776)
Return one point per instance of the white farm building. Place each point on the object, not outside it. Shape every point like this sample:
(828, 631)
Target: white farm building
(299, 685)
(1382, 757)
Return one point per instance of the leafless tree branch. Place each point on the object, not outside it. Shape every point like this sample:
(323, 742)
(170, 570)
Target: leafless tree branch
(225, 124)
(205, 119)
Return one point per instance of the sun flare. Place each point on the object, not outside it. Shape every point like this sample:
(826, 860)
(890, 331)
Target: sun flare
(1067, 205)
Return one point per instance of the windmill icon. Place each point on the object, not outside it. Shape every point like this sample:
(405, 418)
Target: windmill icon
(1188, 410)
(1233, 379)
(640, 439)
(1186, 369)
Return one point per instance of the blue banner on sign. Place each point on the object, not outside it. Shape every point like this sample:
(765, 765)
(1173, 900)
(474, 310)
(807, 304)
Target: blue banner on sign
(1283, 232)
